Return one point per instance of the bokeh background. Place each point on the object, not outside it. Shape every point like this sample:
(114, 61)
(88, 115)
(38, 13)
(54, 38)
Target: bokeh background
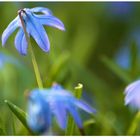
(100, 49)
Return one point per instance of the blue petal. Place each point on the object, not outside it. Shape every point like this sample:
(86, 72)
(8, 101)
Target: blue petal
(9, 30)
(44, 10)
(39, 115)
(24, 45)
(132, 86)
(37, 31)
(74, 113)
(51, 21)
(21, 43)
(60, 113)
(132, 95)
(33, 115)
(131, 91)
(37, 118)
(81, 104)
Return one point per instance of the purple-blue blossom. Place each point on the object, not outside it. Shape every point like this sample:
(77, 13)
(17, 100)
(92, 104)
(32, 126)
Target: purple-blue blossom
(132, 95)
(44, 104)
(34, 20)
(123, 55)
(122, 10)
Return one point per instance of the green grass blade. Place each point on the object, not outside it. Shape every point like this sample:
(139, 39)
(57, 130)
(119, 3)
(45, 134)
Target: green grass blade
(89, 122)
(78, 91)
(59, 64)
(134, 124)
(2, 127)
(13, 126)
(134, 59)
(2, 132)
(116, 69)
(19, 113)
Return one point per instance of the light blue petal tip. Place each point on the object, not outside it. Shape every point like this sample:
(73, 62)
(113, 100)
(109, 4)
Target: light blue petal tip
(83, 105)
(9, 30)
(60, 113)
(51, 21)
(44, 10)
(76, 116)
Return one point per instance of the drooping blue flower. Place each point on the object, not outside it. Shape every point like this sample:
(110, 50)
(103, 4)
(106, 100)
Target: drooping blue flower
(34, 19)
(132, 95)
(57, 102)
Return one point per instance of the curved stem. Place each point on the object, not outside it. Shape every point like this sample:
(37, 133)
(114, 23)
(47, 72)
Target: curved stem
(71, 125)
(134, 124)
(34, 62)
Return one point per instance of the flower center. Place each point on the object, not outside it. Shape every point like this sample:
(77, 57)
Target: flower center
(21, 11)
(22, 15)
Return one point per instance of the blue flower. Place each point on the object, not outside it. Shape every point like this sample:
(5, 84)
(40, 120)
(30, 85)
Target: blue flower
(34, 22)
(123, 55)
(132, 95)
(56, 101)
(122, 10)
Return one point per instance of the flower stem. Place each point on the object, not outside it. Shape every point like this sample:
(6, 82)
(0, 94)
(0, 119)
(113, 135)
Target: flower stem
(71, 125)
(134, 124)
(36, 69)
(34, 62)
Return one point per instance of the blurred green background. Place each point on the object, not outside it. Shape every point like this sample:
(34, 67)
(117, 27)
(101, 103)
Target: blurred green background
(100, 49)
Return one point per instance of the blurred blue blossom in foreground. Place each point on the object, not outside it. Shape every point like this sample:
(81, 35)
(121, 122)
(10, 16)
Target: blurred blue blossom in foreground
(56, 101)
(34, 22)
(123, 55)
(5, 59)
(132, 95)
(121, 10)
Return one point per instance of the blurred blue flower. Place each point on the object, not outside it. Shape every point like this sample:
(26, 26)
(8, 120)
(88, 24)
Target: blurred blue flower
(123, 55)
(4, 59)
(56, 101)
(120, 9)
(132, 95)
(34, 22)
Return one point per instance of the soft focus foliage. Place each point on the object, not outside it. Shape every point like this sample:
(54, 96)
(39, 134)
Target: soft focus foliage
(86, 52)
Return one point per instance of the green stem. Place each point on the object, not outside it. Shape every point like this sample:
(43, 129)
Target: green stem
(134, 124)
(13, 126)
(34, 62)
(71, 125)
(36, 69)
(78, 91)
